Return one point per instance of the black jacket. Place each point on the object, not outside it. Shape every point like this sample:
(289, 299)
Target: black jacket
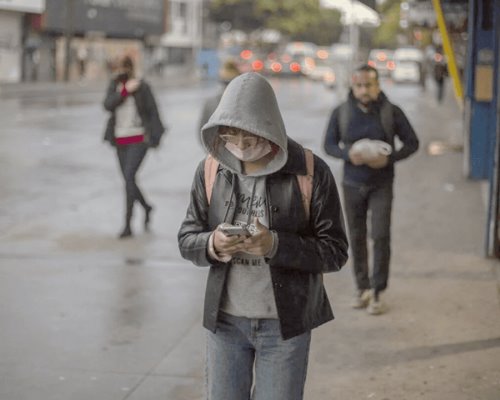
(306, 250)
(146, 107)
(369, 125)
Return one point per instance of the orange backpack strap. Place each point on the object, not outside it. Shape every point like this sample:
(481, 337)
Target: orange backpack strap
(306, 182)
(211, 166)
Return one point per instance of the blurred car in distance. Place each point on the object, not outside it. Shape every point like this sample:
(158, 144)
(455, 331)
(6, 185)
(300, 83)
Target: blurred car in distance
(330, 79)
(301, 49)
(291, 59)
(313, 64)
(284, 64)
(341, 52)
(250, 61)
(408, 65)
(320, 67)
(382, 60)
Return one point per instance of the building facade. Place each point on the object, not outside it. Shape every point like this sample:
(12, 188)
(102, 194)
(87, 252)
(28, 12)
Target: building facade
(13, 53)
(54, 40)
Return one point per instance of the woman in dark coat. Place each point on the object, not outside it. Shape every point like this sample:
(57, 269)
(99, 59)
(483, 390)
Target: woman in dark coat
(133, 127)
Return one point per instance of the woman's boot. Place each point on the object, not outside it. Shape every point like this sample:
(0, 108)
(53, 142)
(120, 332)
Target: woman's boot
(147, 219)
(127, 232)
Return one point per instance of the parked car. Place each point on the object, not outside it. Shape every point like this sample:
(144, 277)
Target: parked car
(408, 65)
(382, 60)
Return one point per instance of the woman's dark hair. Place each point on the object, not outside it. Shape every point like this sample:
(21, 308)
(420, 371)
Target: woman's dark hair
(127, 62)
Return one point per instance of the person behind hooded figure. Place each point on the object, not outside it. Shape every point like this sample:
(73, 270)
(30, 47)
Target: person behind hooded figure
(369, 176)
(440, 72)
(133, 127)
(264, 291)
(228, 72)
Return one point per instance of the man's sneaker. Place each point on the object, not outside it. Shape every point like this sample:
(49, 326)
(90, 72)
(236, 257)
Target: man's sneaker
(376, 306)
(362, 299)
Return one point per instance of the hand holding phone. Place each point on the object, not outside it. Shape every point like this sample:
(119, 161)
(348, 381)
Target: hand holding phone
(233, 230)
(228, 239)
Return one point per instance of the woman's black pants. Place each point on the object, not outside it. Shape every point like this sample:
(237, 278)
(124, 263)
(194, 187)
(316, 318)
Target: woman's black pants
(130, 157)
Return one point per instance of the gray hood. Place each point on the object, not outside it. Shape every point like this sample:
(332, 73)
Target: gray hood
(248, 103)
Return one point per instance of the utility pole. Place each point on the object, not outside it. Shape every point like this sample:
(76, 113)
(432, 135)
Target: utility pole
(353, 38)
(68, 35)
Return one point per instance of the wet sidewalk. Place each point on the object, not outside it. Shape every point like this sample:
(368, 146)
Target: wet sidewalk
(84, 315)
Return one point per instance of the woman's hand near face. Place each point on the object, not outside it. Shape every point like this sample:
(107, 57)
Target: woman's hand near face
(131, 85)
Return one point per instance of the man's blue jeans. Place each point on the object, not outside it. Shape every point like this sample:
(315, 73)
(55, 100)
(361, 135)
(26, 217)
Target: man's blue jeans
(241, 347)
(358, 200)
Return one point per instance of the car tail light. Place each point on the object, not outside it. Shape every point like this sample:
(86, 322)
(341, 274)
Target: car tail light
(246, 54)
(381, 56)
(329, 77)
(309, 62)
(322, 54)
(276, 67)
(391, 65)
(371, 63)
(257, 65)
(295, 67)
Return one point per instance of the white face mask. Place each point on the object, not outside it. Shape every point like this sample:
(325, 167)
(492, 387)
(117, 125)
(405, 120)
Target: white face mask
(253, 153)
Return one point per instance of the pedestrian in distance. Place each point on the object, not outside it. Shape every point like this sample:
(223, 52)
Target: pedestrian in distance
(440, 73)
(266, 217)
(228, 72)
(362, 131)
(422, 68)
(133, 127)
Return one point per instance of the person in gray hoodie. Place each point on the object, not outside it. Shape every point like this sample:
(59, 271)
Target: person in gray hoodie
(265, 289)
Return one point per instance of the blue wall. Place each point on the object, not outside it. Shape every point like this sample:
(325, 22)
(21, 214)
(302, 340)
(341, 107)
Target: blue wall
(483, 39)
(208, 62)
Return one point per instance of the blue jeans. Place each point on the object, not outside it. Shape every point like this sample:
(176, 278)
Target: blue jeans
(250, 352)
(358, 200)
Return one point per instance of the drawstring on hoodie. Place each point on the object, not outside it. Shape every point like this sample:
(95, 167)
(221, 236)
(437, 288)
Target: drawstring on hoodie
(233, 189)
(251, 202)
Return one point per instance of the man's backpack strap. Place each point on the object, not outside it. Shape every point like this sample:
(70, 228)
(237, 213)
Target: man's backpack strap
(344, 117)
(305, 181)
(211, 166)
(387, 120)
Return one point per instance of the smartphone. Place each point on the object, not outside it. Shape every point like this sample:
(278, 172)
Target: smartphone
(234, 230)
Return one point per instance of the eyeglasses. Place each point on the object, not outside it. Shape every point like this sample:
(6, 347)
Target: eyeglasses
(234, 135)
